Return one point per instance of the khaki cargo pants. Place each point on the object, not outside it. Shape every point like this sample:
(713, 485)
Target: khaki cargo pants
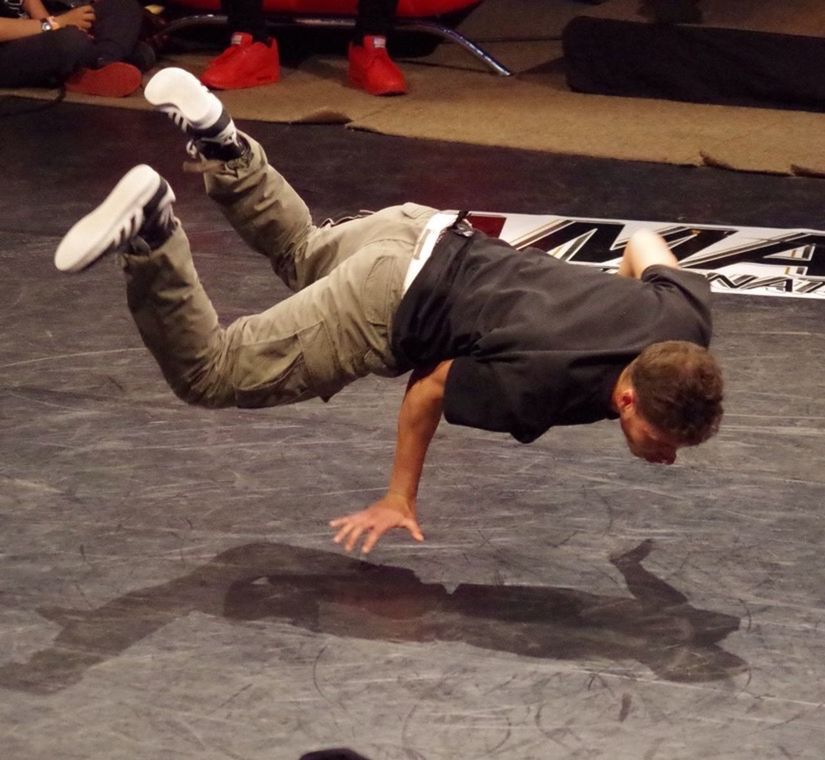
(347, 281)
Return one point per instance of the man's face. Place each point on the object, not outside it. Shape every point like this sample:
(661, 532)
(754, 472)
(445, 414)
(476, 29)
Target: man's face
(645, 441)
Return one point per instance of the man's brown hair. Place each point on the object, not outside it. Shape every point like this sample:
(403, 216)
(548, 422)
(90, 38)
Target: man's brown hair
(679, 390)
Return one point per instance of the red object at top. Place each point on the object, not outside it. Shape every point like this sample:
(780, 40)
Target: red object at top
(406, 8)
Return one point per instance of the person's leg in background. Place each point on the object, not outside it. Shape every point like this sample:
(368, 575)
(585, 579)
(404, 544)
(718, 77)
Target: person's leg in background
(252, 56)
(117, 34)
(672, 11)
(370, 66)
(115, 63)
(43, 60)
(64, 57)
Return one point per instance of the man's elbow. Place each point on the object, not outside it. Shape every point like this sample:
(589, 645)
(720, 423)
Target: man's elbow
(644, 249)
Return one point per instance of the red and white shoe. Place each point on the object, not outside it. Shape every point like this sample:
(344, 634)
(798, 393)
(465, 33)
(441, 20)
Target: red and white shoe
(372, 69)
(245, 63)
(114, 80)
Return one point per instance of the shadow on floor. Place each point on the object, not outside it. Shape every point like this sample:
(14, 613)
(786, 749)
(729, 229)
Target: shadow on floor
(338, 595)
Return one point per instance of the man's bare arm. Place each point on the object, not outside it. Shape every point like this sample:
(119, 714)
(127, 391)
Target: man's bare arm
(11, 29)
(17, 28)
(35, 9)
(644, 249)
(417, 422)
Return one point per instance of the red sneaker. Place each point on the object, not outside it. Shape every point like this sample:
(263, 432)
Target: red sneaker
(372, 69)
(114, 80)
(245, 63)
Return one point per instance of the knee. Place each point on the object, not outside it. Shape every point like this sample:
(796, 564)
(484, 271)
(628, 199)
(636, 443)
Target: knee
(201, 381)
(187, 394)
(125, 7)
(209, 391)
(72, 49)
(127, 11)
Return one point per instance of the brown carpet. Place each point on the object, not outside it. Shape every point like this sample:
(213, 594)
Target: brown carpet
(453, 97)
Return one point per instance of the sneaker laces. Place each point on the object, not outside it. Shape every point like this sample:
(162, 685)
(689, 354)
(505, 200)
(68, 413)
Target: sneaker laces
(192, 151)
(227, 148)
(230, 52)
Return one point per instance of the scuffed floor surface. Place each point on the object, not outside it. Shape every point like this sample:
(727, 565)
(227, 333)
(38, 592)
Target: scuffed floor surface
(168, 584)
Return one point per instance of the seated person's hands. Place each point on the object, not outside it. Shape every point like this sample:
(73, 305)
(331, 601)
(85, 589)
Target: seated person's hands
(83, 17)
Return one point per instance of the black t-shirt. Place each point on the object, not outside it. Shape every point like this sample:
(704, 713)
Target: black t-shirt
(536, 341)
(12, 9)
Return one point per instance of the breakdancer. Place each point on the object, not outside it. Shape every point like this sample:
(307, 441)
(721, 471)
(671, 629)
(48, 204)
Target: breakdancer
(497, 339)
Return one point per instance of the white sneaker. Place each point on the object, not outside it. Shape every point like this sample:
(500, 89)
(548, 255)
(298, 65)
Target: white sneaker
(195, 111)
(142, 198)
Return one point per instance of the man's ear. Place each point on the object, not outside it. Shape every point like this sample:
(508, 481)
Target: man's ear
(626, 401)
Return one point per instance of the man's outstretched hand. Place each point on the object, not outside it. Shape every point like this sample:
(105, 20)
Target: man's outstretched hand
(417, 420)
(393, 511)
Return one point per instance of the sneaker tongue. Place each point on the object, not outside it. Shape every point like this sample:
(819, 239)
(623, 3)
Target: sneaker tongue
(240, 38)
(376, 43)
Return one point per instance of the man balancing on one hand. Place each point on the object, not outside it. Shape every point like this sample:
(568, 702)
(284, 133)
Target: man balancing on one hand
(497, 339)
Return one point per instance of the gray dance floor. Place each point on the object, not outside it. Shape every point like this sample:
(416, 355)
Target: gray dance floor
(168, 584)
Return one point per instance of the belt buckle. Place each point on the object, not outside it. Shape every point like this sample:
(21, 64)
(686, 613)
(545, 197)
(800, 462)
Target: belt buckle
(461, 226)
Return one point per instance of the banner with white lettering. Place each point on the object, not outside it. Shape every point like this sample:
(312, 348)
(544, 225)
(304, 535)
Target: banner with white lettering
(754, 260)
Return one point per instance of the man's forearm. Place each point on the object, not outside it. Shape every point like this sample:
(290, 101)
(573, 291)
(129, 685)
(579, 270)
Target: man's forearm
(417, 422)
(17, 28)
(35, 9)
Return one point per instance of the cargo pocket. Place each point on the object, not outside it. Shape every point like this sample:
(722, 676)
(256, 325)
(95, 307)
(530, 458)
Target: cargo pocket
(323, 370)
(377, 291)
(272, 373)
(288, 370)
